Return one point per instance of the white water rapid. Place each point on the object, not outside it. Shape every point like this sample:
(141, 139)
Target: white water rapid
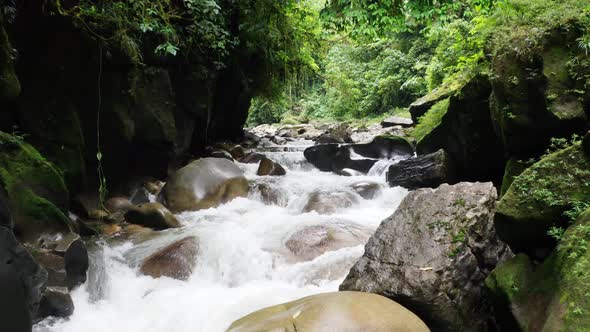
(243, 264)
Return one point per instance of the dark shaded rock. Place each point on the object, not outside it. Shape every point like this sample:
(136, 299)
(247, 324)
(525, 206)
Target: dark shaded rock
(514, 167)
(396, 121)
(73, 250)
(344, 160)
(433, 254)
(322, 156)
(586, 144)
(329, 202)
(140, 196)
(56, 302)
(429, 171)
(367, 190)
(252, 158)
(339, 311)
(55, 266)
(176, 260)
(422, 105)
(9, 83)
(22, 281)
(118, 204)
(538, 198)
(152, 215)
(313, 241)
(467, 134)
(204, 183)
(269, 167)
(385, 147)
(5, 216)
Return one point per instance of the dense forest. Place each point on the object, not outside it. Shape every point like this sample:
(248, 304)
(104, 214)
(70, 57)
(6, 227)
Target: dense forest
(294, 165)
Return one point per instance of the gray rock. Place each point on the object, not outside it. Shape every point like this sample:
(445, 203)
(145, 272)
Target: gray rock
(56, 302)
(397, 121)
(367, 190)
(75, 255)
(427, 171)
(433, 255)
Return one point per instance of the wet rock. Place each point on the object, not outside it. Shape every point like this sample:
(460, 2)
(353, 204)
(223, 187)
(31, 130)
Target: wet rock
(367, 190)
(269, 193)
(56, 302)
(339, 311)
(279, 140)
(269, 167)
(204, 183)
(98, 214)
(427, 171)
(237, 152)
(313, 241)
(385, 147)
(221, 154)
(329, 202)
(322, 156)
(349, 172)
(397, 121)
(140, 196)
(433, 254)
(55, 266)
(154, 187)
(152, 215)
(176, 260)
(344, 160)
(118, 204)
(22, 281)
(73, 250)
(252, 158)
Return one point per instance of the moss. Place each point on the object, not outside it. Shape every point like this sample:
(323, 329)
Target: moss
(508, 281)
(561, 102)
(395, 138)
(36, 189)
(514, 167)
(9, 83)
(431, 119)
(538, 197)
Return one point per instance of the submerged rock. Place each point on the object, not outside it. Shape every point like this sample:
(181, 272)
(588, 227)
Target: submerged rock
(176, 260)
(367, 190)
(269, 193)
(433, 254)
(427, 171)
(313, 241)
(56, 302)
(269, 167)
(325, 202)
(203, 184)
(330, 312)
(153, 215)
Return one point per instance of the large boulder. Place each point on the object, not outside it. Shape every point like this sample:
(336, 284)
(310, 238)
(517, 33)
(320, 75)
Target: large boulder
(36, 190)
(396, 121)
(385, 147)
(433, 254)
(322, 156)
(551, 296)
(328, 202)
(176, 260)
(313, 241)
(152, 215)
(340, 311)
(203, 184)
(464, 129)
(56, 302)
(537, 199)
(428, 171)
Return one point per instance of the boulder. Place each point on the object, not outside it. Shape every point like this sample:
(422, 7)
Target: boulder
(153, 215)
(269, 194)
(349, 172)
(328, 202)
(252, 158)
(385, 147)
(341, 133)
(237, 152)
(339, 311)
(367, 190)
(313, 241)
(75, 255)
(427, 171)
(22, 281)
(176, 260)
(433, 254)
(346, 159)
(56, 302)
(221, 154)
(203, 184)
(465, 131)
(550, 296)
(118, 204)
(396, 121)
(421, 106)
(322, 156)
(537, 199)
(153, 186)
(269, 167)
(37, 193)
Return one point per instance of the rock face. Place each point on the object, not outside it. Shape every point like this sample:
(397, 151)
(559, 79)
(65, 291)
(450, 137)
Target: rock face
(433, 254)
(176, 260)
(152, 215)
(539, 196)
(203, 184)
(427, 171)
(340, 311)
(329, 202)
(313, 241)
(466, 133)
(397, 121)
(269, 167)
(551, 296)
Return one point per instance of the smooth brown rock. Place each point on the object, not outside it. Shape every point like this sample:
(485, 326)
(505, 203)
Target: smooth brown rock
(329, 202)
(269, 167)
(176, 260)
(152, 215)
(117, 204)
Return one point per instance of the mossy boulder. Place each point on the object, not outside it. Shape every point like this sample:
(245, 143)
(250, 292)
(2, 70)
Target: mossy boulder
(552, 296)
(462, 126)
(535, 97)
(36, 190)
(538, 198)
(339, 311)
(514, 167)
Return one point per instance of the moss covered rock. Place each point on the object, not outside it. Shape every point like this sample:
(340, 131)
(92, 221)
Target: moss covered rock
(9, 83)
(37, 192)
(552, 296)
(538, 198)
(514, 167)
(461, 125)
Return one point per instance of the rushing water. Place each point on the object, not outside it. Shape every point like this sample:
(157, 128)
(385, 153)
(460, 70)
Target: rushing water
(243, 264)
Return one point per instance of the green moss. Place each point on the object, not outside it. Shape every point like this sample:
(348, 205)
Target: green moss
(9, 83)
(395, 138)
(514, 167)
(41, 211)
(431, 119)
(508, 281)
